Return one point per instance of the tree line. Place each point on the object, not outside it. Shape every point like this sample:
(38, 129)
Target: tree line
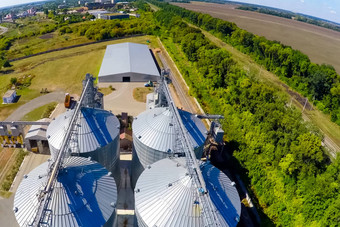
(106, 29)
(289, 171)
(291, 15)
(320, 83)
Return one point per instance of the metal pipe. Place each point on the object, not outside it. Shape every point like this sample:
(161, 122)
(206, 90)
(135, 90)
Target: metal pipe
(24, 123)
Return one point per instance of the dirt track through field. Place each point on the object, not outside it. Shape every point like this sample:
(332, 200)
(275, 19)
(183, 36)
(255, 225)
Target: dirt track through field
(320, 44)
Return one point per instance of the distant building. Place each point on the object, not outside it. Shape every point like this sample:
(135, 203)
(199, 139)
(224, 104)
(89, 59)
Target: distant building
(93, 5)
(9, 96)
(112, 16)
(96, 13)
(31, 11)
(127, 62)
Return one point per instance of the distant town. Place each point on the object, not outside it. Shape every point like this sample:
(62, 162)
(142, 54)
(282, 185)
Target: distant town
(108, 10)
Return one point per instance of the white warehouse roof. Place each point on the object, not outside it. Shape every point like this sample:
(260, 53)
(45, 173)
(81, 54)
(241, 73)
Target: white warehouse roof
(128, 60)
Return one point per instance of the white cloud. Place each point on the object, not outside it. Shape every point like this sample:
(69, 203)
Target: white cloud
(302, 1)
(332, 12)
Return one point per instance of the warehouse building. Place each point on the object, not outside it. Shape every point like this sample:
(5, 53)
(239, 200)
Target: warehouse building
(127, 62)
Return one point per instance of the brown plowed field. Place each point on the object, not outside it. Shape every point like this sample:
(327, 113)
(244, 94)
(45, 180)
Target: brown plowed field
(320, 44)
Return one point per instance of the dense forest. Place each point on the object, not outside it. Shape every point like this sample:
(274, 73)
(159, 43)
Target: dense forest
(289, 171)
(320, 83)
(291, 15)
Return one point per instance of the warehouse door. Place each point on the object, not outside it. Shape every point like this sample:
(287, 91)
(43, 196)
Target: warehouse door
(126, 79)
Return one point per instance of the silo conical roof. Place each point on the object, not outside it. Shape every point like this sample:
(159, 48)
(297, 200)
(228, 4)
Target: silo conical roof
(83, 195)
(94, 128)
(155, 129)
(165, 195)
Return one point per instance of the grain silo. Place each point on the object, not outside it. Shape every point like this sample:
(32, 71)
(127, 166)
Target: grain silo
(165, 195)
(84, 194)
(95, 135)
(154, 137)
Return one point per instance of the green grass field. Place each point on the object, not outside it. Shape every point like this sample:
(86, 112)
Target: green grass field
(59, 71)
(139, 93)
(36, 44)
(40, 112)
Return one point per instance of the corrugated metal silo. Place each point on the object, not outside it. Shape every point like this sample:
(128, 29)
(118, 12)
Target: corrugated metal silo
(96, 135)
(83, 195)
(154, 137)
(165, 196)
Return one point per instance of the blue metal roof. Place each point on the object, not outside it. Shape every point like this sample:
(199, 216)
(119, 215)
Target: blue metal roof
(96, 119)
(222, 193)
(194, 126)
(94, 128)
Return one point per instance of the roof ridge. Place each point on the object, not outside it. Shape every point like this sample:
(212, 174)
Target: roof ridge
(129, 57)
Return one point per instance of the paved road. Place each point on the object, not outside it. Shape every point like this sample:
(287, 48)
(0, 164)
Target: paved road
(35, 103)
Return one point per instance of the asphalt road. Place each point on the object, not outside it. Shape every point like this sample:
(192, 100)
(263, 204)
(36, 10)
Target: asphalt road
(35, 103)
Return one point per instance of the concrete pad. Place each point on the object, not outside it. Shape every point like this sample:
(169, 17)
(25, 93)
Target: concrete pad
(121, 100)
(7, 217)
(126, 201)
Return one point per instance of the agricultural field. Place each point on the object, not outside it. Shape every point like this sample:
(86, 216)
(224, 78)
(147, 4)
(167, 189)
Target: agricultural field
(58, 71)
(320, 44)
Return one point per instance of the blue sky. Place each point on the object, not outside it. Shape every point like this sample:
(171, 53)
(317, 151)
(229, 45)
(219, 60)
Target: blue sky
(4, 3)
(326, 9)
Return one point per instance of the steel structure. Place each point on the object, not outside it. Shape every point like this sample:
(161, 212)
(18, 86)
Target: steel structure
(95, 135)
(154, 137)
(183, 144)
(44, 197)
(85, 194)
(165, 196)
(24, 123)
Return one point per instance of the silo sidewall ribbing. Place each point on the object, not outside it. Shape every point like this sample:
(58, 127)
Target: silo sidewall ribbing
(54, 152)
(113, 221)
(147, 155)
(136, 168)
(108, 156)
